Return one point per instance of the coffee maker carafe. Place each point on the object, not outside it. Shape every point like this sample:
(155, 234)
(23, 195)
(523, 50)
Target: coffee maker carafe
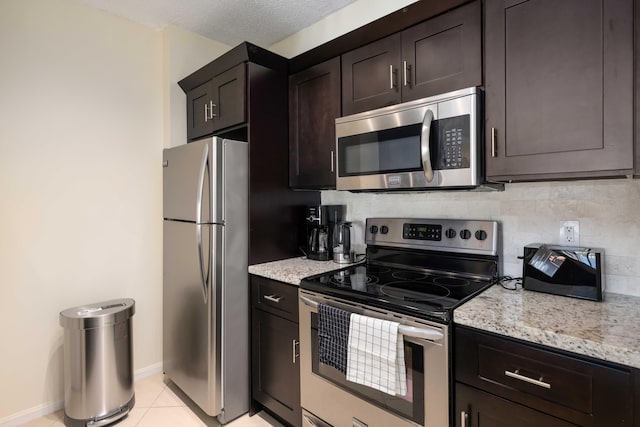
(321, 221)
(342, 243)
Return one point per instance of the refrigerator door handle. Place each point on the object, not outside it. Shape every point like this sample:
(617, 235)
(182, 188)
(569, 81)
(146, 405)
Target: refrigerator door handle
(203, 174)
(203, 274)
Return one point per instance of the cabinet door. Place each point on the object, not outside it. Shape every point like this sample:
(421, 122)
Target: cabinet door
(370, 76)
(559, 79)
(443, 53)
(314, 104)
(229, 97)
(199, 118)
(275, 372)
(476, 408)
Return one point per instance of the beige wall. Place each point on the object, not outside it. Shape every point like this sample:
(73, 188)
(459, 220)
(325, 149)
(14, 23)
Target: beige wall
(529, 212)
(87, 102)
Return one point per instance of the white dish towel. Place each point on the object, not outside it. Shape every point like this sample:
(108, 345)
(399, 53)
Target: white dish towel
(375, 355)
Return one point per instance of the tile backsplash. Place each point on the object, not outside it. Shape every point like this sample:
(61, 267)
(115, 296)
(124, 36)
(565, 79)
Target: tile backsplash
(608, 212)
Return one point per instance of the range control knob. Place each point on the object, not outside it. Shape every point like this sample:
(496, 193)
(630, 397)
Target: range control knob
(373, 229)
(465, 234)
(450, 233)
(384, 229)
(481, 234)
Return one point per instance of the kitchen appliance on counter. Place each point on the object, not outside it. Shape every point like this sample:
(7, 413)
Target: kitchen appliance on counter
(563, 270)
(205, 281)
(321, 222)
(417, 272)
(342, 243)
(429, 143)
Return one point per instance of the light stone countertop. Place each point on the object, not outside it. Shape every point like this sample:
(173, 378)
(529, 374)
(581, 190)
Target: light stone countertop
(292, 270)
(608, 330)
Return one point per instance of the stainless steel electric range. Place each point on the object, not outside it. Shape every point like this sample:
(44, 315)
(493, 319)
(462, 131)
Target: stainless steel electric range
(417, 271)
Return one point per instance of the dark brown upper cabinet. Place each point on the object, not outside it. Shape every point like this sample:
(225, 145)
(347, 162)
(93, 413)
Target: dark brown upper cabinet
(248, 85)
(559, 89)
(439, 55)
(314, 104)
(217, 104)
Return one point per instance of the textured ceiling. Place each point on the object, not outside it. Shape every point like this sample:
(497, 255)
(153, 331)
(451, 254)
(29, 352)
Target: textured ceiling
(262, 22)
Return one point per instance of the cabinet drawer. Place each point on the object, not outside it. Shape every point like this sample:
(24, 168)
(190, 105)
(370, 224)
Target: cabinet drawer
(275, 297)
(580, 391)
(547, 378)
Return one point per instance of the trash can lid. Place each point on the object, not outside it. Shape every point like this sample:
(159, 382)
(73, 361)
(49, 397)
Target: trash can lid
(99, 314)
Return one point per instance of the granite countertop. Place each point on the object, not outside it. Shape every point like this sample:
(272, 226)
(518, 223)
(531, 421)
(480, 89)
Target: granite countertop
(292, 270)
(608, 330)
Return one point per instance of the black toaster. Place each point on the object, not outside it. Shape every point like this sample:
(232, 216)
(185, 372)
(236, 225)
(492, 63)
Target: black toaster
(563, 270)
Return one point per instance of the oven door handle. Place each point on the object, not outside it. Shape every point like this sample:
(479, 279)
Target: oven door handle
(425, 152)
(405, 330)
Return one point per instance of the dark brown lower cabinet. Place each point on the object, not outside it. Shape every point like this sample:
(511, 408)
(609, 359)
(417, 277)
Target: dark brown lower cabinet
(275, 372)
(502, 381)
(475, 408)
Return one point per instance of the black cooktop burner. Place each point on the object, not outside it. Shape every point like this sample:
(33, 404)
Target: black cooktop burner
(419, 293)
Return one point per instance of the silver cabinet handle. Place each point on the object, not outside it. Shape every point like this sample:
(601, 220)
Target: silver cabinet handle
(464, 417)
(406, 73)
(391, 79)
(424, 145)
(520, 377)
(494, 142)
(206, 113)
(332, 166)
(212, 106)
(272, 298)
(294, 355)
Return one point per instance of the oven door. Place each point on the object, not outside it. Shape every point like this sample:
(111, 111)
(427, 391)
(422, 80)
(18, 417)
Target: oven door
(326, 393)
(432, 142)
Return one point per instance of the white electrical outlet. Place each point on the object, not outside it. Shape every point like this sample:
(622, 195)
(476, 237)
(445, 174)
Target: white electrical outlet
(570, 233)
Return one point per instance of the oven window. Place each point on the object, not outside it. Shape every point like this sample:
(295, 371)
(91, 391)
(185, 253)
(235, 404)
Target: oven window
(410, 406)
(385, 151)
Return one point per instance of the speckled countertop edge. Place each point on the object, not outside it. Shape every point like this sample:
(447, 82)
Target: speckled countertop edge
(608, 330)
(292, 270)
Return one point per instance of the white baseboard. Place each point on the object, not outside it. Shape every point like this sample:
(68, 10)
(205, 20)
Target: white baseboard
(30, 414)
(148, 371)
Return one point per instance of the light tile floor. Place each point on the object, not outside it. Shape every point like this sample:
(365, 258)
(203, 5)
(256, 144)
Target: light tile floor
(162, 405)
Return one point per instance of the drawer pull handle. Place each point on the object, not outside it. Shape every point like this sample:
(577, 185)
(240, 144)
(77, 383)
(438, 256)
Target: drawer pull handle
(520, 377)
(464, 418)
(272, 298)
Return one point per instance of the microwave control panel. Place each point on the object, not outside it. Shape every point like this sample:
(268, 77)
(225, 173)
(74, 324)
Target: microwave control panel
(453, 136)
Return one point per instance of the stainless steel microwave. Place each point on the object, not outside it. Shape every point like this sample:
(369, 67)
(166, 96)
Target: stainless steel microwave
(429, 143)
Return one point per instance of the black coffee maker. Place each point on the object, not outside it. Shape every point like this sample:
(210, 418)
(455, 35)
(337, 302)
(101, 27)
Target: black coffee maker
(321, 221)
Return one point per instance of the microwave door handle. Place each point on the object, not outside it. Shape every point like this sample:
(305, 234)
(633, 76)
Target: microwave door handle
(424, 145)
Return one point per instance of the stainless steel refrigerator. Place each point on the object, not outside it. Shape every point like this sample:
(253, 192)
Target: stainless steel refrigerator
(205, 278)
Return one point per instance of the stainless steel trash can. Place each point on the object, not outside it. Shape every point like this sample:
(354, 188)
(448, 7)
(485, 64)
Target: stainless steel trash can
(98, 369)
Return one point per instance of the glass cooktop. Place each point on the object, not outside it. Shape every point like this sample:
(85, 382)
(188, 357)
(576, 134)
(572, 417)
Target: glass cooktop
(414, 292)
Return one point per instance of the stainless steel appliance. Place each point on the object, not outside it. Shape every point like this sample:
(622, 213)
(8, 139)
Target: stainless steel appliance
(342, 243)
(424, 144)
(417, 272)
(563, 270)
(205, 281)
(321, 222)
